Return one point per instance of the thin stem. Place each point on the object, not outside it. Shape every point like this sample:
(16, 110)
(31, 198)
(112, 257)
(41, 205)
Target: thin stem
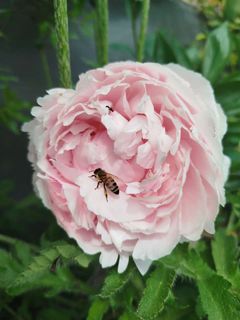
(143, 30)
(12, 241)
(7, 239)
(102, 32)
(63, 52)
(46, 69)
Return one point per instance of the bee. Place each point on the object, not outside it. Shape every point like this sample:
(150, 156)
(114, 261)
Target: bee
(107, 180)
(109, 108)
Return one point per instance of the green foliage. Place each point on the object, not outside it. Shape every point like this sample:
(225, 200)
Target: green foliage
(12, 110)
(232, 9)
(217, 51)
(228, 94)
(40, 272)
(168, 49)
(98, 308)
(114, 282)
(217, 300)
(158, 289)
(225, 254)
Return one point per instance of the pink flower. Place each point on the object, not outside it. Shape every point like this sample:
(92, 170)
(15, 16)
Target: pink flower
(158, 130)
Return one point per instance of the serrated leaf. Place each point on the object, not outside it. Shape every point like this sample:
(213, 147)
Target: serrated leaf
(185, 262)
(224, 251)
(217, 301)
(9, 268)
(83, 260)
(98, 308)
(115, 282)
(40, 266)
(23, 252)
(55, 283)
(158, 288)
(67, 251)
(217, 50)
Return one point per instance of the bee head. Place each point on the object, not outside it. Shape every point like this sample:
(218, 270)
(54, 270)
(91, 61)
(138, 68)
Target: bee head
(96, 171)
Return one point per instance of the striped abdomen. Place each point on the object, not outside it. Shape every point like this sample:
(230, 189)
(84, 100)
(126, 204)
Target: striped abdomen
(111, 185)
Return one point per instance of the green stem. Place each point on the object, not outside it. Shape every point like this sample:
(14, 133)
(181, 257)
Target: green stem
(102, 32)
(46, 69)
(143, 30)
(12, 241)
(63, 52)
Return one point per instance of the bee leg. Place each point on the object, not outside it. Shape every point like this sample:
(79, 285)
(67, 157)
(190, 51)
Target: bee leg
(93, 175)
(98, 184)
(105, 191)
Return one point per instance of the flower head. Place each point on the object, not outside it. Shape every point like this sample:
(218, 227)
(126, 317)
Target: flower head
(155, 133)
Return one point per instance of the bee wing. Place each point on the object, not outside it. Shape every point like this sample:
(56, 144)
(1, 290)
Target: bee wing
(118, 179)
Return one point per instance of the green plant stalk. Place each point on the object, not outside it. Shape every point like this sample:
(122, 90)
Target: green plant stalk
(143, 30)
(63, 52)
(102, 31)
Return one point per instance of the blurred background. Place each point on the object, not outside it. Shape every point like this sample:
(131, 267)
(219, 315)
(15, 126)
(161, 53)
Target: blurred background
(186, 32)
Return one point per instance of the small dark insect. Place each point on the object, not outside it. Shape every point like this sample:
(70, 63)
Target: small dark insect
(55, 264)
(107, 180)
(109, 108)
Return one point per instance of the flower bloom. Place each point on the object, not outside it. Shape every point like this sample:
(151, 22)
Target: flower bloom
(158, 131)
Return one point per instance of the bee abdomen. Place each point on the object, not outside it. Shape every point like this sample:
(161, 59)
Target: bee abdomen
(112, 186)
(115, 190)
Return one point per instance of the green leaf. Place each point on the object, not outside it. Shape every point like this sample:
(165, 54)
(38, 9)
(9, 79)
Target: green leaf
(23, 252)
(217, 301)
(224, 251)
(186, 262)
(98, 308)
(228, 95)
(232, 9)
(115, 282)
(158, 288)
(128, 316)
(41, 266)
(168, 49)
(83, 260)
(9, 268)
(12, 110)
(217, 50)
